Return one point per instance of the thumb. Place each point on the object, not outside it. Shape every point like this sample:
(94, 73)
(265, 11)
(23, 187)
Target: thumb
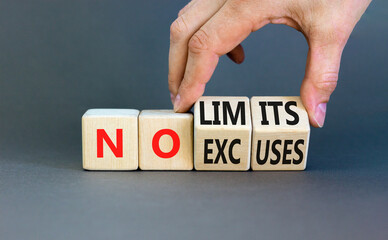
(322, 67)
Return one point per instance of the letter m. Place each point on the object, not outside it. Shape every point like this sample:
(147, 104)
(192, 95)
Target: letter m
(117, 150)
(227, 110)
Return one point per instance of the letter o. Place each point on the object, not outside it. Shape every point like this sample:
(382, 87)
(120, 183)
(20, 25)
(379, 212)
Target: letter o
(175, 143)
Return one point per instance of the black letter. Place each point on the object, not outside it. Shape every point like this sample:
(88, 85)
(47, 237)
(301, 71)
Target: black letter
(221, 151)
(275, 106)
(232, 159)
(216, 120)
(276, 152)
(202, 114)
(298, 151)
(227, 109)
(292, 113)
(286, 151)
(264, 121)
(264, 160)
(208, 151)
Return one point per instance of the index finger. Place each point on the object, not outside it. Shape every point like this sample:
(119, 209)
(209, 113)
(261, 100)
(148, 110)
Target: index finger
(222, 33)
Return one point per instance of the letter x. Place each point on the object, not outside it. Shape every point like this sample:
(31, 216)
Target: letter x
(220, 151)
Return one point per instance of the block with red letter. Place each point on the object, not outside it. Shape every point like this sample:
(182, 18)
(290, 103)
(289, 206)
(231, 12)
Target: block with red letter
(281, 133)
(165, 140)
(110, 139)
(222, 134)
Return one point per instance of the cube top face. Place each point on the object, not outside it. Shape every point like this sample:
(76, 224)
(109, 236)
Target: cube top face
(222, 129)
(279, 114)
(111, 113)
(165, 140)
(232, 113)
(110, 139)
(165, 114)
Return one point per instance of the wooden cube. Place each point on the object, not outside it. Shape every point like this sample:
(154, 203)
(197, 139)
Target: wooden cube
(165, 140)
(222, 134)
(110, 139)
(281, 133)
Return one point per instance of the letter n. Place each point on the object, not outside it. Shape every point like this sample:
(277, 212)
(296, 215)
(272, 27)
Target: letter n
(117, 150)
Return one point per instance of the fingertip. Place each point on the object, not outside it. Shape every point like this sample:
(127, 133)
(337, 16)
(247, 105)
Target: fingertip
(172, 97)
(177, 103)
(237, 55)
(315, 107)
(188, 95)
(238, 59)
(317, 115)
(180, 106)
(320, 114)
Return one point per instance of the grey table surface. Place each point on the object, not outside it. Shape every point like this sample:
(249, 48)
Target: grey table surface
(60, 58)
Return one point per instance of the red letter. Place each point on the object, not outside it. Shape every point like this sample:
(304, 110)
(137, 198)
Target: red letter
(117, 151)
(175, 143)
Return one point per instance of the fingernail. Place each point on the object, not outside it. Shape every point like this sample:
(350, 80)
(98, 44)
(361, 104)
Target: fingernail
(172, 96)
(177, 103)
(320, 113)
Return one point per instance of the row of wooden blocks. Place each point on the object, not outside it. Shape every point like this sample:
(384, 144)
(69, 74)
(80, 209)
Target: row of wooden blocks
(225, 134)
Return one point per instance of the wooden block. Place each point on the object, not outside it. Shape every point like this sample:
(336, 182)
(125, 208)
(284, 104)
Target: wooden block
(281, 133)
(110, 139)
(222, 134)
(165, 140)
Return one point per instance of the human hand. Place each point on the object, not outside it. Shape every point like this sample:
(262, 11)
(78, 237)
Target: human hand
(208, 29)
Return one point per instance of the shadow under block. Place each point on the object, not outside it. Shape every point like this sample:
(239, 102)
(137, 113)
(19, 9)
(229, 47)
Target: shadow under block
(110, 139)
(222, 134)
(165, 140)
(281, 133)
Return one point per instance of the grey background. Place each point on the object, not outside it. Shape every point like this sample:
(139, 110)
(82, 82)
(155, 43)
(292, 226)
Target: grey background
(59, 58)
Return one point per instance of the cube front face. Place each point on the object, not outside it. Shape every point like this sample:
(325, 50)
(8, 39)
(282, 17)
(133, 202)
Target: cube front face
(110, 139)
(281, 133)
(165, 140)
(222, 134)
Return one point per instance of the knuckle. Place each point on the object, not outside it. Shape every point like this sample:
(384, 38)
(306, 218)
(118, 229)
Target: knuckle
(185, 8)
(178, 29)
(327, 82)
(199, 42)
(180, 13)
(239, 6)
(171, 81)
(172, 88)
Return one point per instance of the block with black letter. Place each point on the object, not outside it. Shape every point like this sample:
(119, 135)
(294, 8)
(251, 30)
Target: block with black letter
(165, 140)
(281, 133)
(110, 139)
(222, 134)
